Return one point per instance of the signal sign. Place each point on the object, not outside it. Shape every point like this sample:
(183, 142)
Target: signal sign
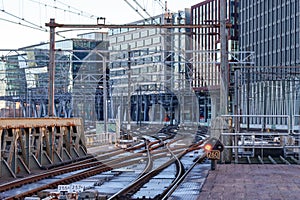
(214, 155)
(70, 188)
(213, 148)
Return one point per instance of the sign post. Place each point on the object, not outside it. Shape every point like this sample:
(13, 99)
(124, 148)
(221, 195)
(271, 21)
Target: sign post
(213, 148)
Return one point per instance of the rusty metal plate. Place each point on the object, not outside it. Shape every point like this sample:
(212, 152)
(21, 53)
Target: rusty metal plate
(39, 122)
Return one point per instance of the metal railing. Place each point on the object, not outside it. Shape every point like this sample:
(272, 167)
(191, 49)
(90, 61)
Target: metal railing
(243, 140)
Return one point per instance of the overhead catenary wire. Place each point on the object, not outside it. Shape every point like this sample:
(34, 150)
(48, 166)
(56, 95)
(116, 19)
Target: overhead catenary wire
(136, 10)
(24, 20)
(69, 9)
(83, 13)
(20, 18)
(160, 3)
(19, 23)
(76, 12)
(143, 9)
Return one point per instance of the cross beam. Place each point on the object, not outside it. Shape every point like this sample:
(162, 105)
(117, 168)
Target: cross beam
(119, 26)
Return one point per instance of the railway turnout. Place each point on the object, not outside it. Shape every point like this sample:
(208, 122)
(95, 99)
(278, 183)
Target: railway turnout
(136, 166)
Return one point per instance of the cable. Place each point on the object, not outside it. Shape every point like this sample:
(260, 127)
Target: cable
(144, 9)
(22, 19)
(40, 27)
(75, 12)
(160, 3)
(83, 12)
(19, 23)
(55, 7)
(135, 9)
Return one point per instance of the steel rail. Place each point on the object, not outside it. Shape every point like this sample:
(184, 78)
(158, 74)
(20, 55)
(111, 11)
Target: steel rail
(84, 164)
(175, 184)
(133, 187)
(138, 183)
(117, 163)
(79, 176)
(105, 165)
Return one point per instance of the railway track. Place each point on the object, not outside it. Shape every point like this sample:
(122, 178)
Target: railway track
(153, 160)
(135, 189)
(57, 170)
(82, 169)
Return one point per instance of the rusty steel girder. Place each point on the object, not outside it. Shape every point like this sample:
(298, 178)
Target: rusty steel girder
(31, 143)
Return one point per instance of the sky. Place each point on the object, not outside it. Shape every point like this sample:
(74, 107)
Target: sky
(22, 22)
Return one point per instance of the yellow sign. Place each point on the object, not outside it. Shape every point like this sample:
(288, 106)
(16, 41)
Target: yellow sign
(213, 155)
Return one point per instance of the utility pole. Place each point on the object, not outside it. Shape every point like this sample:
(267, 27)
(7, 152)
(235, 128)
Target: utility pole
(129, 90)
(51, 69)
(224, 60)
(104, 96)
(224, 76)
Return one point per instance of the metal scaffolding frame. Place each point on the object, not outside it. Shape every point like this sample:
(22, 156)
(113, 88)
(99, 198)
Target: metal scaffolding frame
(83, 94)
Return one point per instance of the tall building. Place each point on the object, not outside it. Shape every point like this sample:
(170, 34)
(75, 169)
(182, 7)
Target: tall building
(272, 30)
(78, 78)
(206, 44)
(152, 67)
(13, 85)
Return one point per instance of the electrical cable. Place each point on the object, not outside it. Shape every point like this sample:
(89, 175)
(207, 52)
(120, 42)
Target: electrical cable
(22, 19)
(160, 3)
(40, 27)
(137, 11)
(75, 12)
(143, 9)
(92, 16)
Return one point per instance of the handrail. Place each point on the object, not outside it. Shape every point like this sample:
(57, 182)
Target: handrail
(288, 117)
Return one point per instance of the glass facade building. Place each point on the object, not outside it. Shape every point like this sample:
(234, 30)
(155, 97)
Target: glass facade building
(272, 30)
(78, 78)
(151, 66)
(207, 40)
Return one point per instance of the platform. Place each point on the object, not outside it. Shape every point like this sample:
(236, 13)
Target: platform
(243, 181)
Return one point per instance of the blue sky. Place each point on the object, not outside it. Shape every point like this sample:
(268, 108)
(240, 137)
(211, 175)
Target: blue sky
(35, 13)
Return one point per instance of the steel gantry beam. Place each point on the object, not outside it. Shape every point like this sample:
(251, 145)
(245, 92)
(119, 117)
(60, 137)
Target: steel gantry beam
(52, 23)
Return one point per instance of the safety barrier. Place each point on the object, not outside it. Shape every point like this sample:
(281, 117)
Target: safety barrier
(245, 139)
